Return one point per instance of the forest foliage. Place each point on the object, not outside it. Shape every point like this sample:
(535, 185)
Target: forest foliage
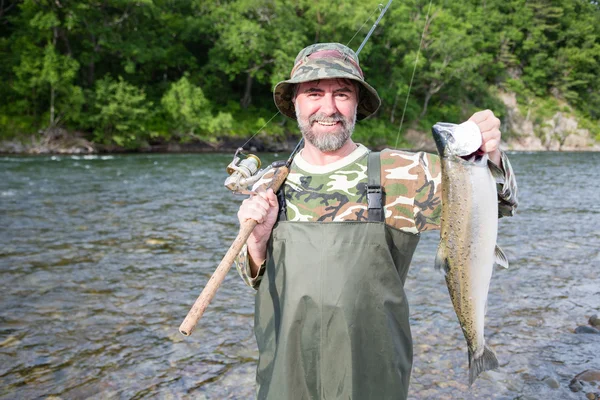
(135, 72)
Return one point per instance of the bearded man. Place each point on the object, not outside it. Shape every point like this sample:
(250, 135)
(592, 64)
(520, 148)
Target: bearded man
(331, 251)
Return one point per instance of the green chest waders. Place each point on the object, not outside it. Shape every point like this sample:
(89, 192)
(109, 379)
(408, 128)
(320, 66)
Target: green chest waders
(331, 316)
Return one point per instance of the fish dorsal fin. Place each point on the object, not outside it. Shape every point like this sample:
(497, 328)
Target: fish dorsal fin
(441, 261)
(500, 258)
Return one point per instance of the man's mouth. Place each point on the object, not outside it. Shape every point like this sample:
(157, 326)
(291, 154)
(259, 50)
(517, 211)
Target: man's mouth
(323, 123)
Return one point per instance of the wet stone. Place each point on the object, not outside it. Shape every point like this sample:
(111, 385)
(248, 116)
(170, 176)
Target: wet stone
(589, 375)
(586, 329)
(527, 377)
(594, 320)
(591, 396)
(575, 386)
(535, 322)
(551, 383)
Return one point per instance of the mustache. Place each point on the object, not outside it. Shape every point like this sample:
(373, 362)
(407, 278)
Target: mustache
(328, 119)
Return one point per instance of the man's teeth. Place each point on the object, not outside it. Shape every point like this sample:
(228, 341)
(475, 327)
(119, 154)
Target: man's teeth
(327, 123)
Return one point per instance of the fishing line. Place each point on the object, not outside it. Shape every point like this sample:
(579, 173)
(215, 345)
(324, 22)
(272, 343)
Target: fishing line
(363, 25)
(357, 52)
(413, 74)
(260, 129)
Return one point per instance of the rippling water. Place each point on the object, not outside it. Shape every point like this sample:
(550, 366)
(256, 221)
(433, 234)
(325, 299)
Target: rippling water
(101, 257)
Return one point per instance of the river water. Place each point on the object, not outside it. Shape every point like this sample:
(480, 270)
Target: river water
(101, 258)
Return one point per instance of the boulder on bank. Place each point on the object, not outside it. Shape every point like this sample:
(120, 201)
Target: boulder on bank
(50, 141)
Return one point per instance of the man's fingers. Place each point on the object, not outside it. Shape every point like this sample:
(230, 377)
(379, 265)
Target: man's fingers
(481, 116)
(253, 208)
(485, 120)
(490, 145)
(492, 134)
(272, 197)
(258, 206)
(491, 124)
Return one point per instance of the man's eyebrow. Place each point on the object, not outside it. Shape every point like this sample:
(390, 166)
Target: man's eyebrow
(318, 90)
(313, 90)
(344, 90)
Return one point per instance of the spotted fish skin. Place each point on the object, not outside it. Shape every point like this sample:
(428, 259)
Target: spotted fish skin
(467, 251)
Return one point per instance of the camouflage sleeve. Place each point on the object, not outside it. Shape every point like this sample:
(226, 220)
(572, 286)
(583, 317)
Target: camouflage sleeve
(428, 205)
(242, 264)
(428, 193)
(507, 188)
(242, 261)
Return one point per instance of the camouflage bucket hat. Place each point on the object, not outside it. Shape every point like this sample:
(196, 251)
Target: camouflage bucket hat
(325, 61)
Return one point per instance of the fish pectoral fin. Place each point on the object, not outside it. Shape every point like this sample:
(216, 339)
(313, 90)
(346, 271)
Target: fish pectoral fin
(485, 362)
(500, 258)
(441, 261)
(496, 172)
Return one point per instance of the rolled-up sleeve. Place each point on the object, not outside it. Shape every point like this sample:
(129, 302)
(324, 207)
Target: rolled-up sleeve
(506, 186)
(242, 264)
(242, 261)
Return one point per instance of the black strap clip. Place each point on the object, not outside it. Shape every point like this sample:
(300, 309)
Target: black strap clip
(374, 197)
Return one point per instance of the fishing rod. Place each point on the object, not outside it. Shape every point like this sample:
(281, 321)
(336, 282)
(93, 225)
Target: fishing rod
(281, 171)
(244, 172)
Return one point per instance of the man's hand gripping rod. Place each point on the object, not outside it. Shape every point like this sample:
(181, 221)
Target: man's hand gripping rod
(189, 323)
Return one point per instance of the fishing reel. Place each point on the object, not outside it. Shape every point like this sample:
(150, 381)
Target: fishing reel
(243, 172)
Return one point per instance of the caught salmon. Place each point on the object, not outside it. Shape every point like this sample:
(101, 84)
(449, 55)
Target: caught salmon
(467, 251)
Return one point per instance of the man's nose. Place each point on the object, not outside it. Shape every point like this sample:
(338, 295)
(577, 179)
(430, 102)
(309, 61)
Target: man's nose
(328, 106)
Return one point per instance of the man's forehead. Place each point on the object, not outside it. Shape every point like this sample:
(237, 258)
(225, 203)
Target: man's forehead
(333, 83)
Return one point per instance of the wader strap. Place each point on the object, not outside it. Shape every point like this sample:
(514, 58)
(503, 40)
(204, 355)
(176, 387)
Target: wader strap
(282, 204)
(374, 190)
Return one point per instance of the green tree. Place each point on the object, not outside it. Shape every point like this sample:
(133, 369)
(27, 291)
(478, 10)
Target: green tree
(255, 37)
(53, 52)
(58, 72)
(191, 113)
(121, 112)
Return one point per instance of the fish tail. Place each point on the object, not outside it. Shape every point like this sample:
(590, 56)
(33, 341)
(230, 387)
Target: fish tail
(485, 362)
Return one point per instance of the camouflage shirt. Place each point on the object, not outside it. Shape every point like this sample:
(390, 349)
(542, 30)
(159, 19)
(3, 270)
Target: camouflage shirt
(338, 192)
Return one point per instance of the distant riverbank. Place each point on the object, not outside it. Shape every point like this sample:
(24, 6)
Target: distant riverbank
(60, 141)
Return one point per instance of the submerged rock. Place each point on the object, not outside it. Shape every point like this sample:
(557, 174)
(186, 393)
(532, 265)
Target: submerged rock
(589, 375)
(586, 381)
(586, 329)
(594, 320)
(575, 386)
(551, 383)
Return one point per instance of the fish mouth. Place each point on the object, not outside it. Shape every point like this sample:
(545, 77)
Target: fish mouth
(442, 137)
(465, 147)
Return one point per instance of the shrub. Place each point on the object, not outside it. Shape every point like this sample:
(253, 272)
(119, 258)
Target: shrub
(121, 113)
(191, 113)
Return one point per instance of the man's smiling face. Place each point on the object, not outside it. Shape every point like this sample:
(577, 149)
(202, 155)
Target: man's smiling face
(326, 112)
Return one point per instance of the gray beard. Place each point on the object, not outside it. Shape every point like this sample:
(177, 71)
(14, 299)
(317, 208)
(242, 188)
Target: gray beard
(326, 142)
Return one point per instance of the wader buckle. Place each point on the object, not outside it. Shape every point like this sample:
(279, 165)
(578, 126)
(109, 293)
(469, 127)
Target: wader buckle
(374, 197)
